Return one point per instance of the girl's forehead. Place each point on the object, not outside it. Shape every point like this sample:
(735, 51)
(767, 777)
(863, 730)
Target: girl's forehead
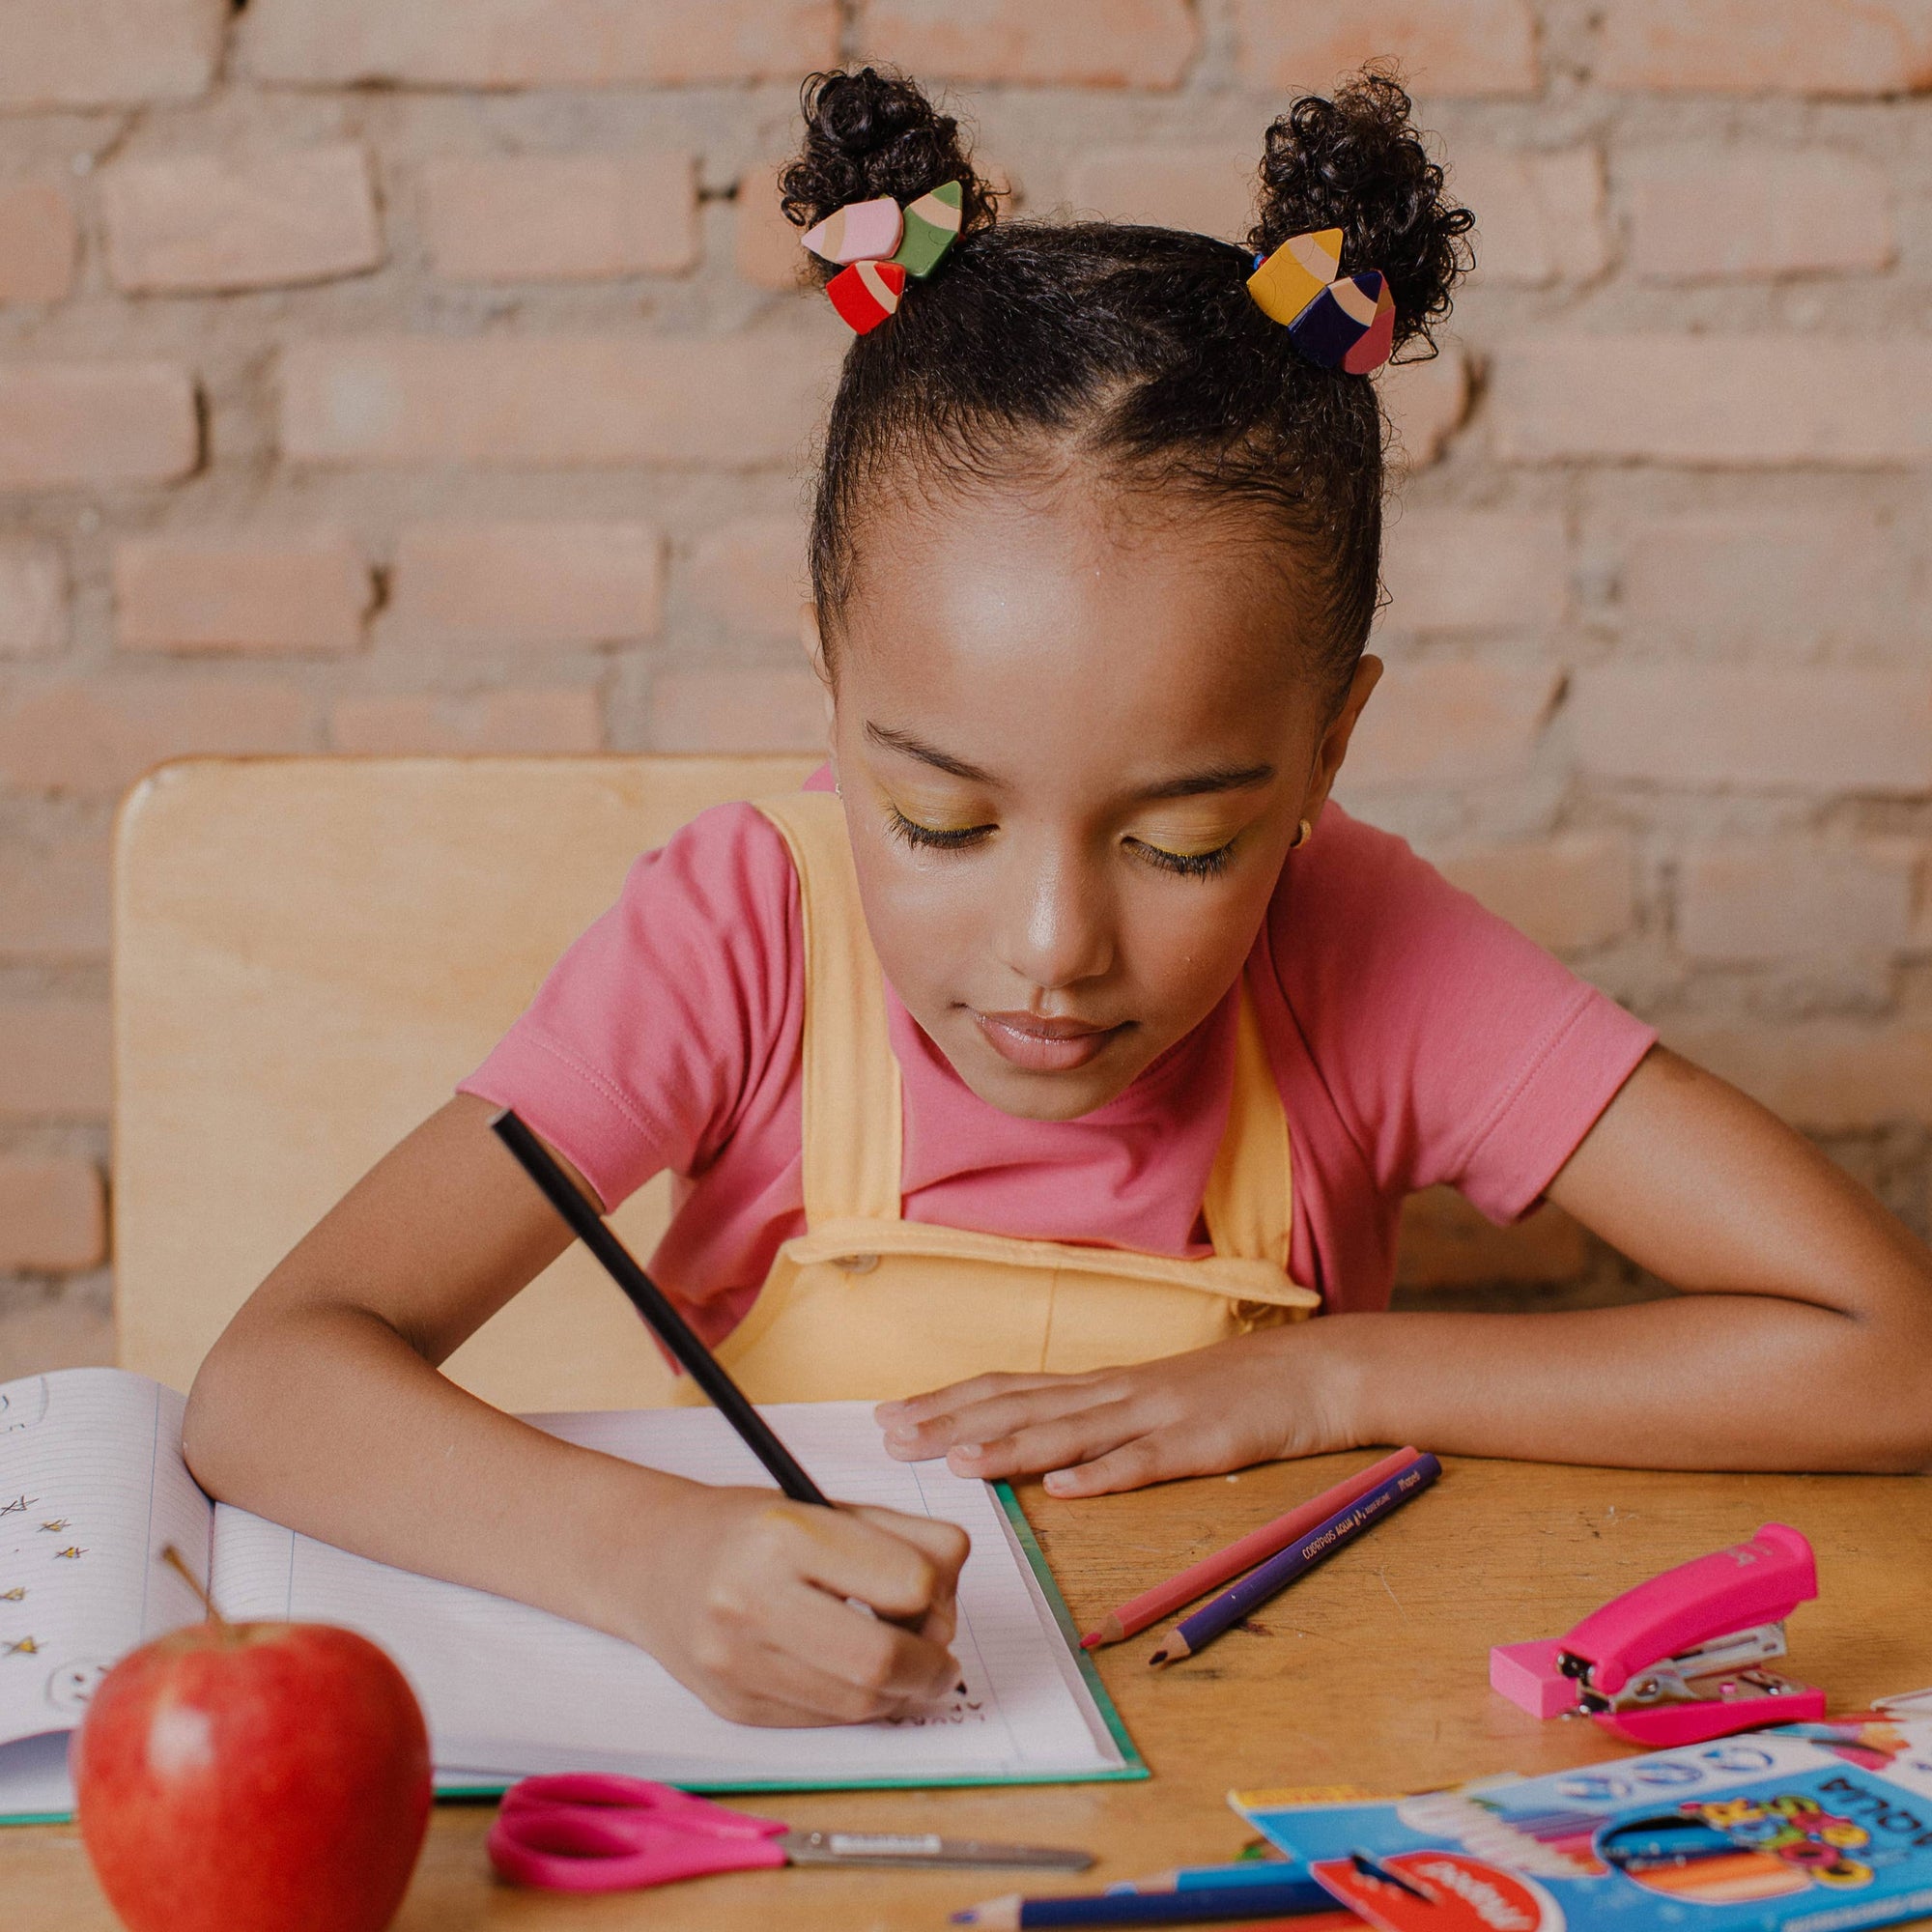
(1064, 635)
(1085, 582)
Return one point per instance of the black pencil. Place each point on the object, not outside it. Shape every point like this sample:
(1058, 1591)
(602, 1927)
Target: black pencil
(676, 1334)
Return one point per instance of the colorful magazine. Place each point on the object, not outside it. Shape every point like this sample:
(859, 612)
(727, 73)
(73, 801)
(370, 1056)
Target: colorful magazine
(1808, 1828)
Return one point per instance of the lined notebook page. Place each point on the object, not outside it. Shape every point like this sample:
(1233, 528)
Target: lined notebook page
(510, 1689)
(92, 1489)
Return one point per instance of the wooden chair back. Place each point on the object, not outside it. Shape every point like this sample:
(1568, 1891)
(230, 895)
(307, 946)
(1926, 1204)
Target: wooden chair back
(308, 954)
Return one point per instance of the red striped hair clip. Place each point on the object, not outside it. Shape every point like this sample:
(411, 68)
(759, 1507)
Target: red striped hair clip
(1341, 322)
(880, 245)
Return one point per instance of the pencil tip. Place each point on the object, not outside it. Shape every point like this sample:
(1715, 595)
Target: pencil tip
(1159, 1655)
(1091, 1641)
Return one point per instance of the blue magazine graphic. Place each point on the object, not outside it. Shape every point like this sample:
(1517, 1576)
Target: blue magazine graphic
(1814, 1827)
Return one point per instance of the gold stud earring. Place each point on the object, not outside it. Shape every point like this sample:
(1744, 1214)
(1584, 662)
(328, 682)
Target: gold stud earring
(1302, 836)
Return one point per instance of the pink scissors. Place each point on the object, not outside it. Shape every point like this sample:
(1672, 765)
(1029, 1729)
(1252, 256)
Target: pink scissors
(595, 1832)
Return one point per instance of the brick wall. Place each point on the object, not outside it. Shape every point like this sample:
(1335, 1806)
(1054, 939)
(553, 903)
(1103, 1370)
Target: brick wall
(385, 374)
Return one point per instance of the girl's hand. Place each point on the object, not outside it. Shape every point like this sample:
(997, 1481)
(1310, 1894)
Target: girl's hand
(745, 1602)
(1249, 1399)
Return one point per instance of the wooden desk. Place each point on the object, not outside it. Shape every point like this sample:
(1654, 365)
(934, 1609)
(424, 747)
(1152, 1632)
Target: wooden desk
(1374, 1670)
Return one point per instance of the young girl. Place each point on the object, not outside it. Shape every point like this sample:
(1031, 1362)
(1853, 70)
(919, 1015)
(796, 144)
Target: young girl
(1039, 1063)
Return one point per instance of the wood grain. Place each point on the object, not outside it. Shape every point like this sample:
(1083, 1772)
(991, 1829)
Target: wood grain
(1371, 1671)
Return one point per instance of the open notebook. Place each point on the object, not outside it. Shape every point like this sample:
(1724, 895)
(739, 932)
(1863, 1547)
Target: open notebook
(93, 1486)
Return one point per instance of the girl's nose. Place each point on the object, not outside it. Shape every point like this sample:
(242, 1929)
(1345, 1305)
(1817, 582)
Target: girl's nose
(1056, 928)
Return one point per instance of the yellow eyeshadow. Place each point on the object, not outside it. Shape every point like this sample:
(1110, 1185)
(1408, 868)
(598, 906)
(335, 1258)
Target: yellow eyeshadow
(1186, 841)
(930, 815)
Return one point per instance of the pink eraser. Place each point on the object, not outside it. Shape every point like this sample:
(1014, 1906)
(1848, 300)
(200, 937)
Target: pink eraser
(1527, 1674)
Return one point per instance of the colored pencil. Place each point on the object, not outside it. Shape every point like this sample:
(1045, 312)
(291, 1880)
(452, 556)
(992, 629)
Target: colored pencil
(676, 1334)
(1195, 1877)
(1289, 1897)
(1257, 1547)
(1296, 1560)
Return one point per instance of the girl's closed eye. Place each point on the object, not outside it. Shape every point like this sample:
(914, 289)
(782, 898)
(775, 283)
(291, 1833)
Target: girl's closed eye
(952, 834)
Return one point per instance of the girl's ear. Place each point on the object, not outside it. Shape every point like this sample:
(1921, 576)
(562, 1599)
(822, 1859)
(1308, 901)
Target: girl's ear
(812, 641)
(1334, 746)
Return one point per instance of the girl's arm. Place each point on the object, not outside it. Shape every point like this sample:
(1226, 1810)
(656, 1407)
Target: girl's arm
(1803, 1339)
(321, 1405)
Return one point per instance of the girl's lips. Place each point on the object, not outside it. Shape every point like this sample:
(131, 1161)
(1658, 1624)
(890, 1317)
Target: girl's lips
(1042, 1045)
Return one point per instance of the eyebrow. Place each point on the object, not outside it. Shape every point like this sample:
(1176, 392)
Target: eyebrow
(1195, 784)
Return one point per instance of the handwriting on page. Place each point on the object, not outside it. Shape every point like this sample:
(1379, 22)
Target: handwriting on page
(91, 1481)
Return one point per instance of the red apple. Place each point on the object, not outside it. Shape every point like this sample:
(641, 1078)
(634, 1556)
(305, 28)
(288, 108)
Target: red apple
(253, 1778)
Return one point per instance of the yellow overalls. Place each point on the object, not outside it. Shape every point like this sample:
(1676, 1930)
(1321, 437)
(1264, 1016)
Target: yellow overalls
(870, 1305)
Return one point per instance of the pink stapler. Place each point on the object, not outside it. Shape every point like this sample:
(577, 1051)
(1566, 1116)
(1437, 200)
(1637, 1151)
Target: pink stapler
(1681, 1658)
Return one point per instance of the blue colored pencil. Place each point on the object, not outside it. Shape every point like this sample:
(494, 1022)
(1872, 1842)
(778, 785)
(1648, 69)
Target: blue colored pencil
(1289, 1896)
(1194, 1878)
(1296, 1560)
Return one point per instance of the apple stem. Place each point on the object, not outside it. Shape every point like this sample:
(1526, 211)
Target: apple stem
(176, 1562)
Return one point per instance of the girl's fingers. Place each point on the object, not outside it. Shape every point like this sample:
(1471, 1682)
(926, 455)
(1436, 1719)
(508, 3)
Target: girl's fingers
(918, 1408)
(996, 1416)
(1052, 1443)
(857, 1667)
(1131, 1466)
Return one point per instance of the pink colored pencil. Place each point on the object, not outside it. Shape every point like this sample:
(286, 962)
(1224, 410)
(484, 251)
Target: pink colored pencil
(1257, 1547)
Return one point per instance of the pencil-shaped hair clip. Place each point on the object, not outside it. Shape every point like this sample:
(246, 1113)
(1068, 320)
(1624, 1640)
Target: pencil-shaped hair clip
(1336, 321)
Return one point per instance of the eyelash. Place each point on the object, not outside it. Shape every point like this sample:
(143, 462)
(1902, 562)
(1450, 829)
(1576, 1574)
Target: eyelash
(1186, 865)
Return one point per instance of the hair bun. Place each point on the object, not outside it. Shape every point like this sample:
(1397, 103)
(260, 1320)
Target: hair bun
(869, 133)
(1355, 162)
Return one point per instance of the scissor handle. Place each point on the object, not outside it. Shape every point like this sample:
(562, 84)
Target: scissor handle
(591, 1831)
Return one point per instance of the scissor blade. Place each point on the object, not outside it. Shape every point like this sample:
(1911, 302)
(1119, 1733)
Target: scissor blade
(923, 1848)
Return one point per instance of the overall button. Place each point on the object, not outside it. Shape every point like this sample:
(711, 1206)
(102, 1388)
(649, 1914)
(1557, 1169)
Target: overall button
(856, 1264)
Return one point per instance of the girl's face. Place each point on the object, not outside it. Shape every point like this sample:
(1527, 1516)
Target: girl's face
(1074, 745)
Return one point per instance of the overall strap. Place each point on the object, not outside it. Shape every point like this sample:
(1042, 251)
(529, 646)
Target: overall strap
(1250, 1201)
(852, 1108)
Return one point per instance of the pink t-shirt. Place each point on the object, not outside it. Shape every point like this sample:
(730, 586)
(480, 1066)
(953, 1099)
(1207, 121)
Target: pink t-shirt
(1415, 1037)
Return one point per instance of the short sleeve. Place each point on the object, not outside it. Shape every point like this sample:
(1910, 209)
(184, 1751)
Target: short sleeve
(1456, 1050)
(649, 1035)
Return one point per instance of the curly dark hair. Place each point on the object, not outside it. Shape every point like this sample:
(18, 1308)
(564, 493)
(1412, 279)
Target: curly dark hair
(1135, 349)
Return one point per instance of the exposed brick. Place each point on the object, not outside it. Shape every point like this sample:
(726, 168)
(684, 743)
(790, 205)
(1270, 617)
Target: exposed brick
(1539, 216)
(765, 246)
(1568, 892)
(1698, 214)
(32, 596)
(38, 239)
(1447, 1243)
(248, 220)
(494, 720)
(300, 592)
(1473, 570)
(751, 575)
(52, 1216)
(1206, 190)
(1070, 43)
(1751, 899)
(1747, 46)
(1444, 47)
(745, 708)
(1825, 1075)
(107, 53)
(1426, 404)
(511, 44)
(53, 898)
(69, 423)
(726, 402)
(54, 1060)
(1827, 572)
(561, 217)
(1713, 400)
(1860, 731)
(98, 738)
(1447, 723)
(528, 582)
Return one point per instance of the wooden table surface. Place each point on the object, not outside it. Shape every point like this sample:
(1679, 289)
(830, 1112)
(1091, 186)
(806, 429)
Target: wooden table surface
(1374, 1671)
